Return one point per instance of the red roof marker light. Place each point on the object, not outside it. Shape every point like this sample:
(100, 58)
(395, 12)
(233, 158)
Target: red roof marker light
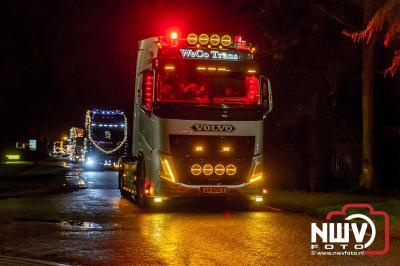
(174, 35)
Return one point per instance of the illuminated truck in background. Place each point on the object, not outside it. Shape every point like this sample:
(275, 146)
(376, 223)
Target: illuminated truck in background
(57, 149)
(200, 104)
(106, 138)
(76, 144)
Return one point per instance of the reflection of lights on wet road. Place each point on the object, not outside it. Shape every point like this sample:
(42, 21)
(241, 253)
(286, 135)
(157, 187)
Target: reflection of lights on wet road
(164, 235)
(97, 226)
(204, 238)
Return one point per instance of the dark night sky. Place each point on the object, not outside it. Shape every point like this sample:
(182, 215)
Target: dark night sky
(60, 58)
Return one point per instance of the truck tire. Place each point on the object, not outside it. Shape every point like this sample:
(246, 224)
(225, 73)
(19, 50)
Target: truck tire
(124, 193)
(141, 199)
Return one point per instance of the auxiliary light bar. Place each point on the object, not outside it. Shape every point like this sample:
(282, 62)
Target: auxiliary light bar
(214, 39)
(205, 40)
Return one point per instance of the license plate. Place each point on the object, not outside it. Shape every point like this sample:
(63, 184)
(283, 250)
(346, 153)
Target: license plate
(213, 190)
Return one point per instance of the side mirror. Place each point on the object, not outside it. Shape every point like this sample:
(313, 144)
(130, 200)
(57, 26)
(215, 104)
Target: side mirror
(266, 95)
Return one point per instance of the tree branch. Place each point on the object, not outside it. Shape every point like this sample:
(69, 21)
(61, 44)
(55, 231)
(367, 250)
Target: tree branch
(338, 19)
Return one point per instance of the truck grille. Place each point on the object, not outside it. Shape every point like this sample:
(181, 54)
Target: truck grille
(185, 155)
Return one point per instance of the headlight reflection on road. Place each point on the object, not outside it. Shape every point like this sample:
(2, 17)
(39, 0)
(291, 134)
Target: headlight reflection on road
(164, 235)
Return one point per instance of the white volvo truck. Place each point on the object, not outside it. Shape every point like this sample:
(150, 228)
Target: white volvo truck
(200, 105)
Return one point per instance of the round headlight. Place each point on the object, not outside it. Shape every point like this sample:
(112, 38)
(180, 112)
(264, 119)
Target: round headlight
(219, 169)
(230, 169)
(195, 169)
(207, 169)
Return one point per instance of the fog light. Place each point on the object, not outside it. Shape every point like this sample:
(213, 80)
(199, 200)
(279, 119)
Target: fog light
(158, 199)
(219, 169)
(195, 169)
(207, 169)
(226, 149)
(259, 198)
(198, 148)
(230, 169)
(265, 191)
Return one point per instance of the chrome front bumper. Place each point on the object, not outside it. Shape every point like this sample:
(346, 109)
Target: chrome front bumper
(168, 190)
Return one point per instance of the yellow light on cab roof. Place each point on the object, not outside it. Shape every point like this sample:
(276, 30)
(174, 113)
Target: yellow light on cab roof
(191, 38)
(214, 39)
(203, 39)
(226, 40)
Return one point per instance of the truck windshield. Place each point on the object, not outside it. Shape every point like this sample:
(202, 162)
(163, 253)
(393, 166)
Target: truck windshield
(207, 85)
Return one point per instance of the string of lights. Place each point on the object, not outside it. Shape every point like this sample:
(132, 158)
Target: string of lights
(88, 123)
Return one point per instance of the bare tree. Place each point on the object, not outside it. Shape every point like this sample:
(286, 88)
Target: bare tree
(386, 17)
(377, 16)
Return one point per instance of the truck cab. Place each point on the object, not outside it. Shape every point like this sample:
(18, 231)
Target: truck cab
(106, 138)
(200, 104)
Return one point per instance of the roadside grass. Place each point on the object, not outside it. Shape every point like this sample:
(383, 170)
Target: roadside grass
(29, 168)
(319, 204)
(38, 177)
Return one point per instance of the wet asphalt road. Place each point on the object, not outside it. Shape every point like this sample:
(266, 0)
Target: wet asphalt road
(96, 226)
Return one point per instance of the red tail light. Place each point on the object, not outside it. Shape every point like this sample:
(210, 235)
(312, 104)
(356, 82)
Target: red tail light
(147, 184)
(147, 97)
(238, 39)
(253, 92)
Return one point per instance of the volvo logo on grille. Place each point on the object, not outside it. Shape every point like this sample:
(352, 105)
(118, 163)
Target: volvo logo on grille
(212, 127)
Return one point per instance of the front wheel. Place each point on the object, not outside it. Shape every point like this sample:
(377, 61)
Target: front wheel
(121, 182)
(141, 199)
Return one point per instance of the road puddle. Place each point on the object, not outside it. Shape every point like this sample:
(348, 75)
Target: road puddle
(70, 225)
(79, 226)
